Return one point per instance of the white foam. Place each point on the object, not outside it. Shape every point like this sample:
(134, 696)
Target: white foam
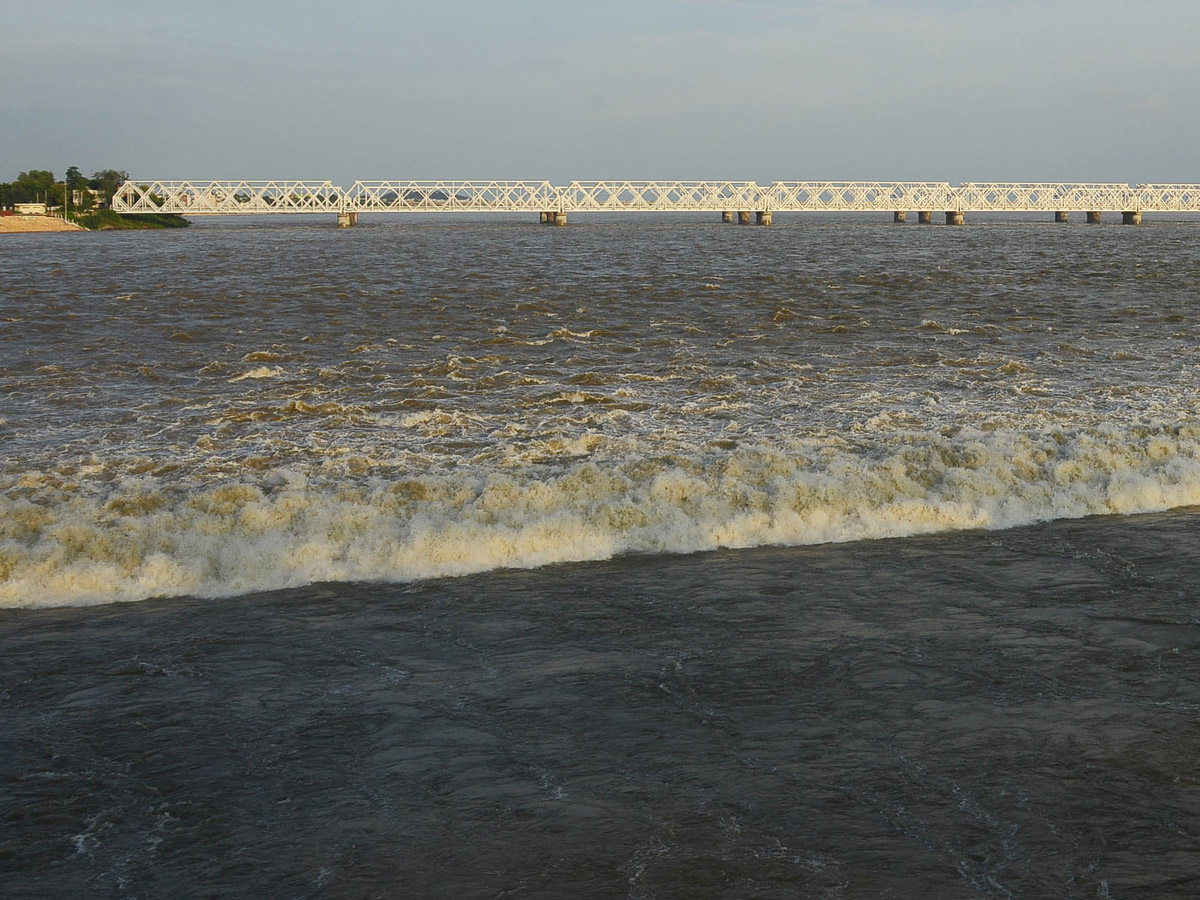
(71, 544)
(258, 373)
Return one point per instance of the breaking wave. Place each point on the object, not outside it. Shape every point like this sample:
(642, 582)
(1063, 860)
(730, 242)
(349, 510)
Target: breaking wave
(65, 542)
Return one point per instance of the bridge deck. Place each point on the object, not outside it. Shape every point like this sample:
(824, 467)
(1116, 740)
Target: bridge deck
(198, 198)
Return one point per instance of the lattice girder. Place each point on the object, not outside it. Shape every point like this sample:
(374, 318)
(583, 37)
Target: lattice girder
(662, 196)
(860, 196)
(452, 196)
(228, 197)
(1034, 197)
(200, 198)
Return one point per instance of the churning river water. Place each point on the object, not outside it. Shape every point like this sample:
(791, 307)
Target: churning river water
(941, 642)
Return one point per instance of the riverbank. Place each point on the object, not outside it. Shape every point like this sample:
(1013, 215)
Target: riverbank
(105, 220)
(25, 224)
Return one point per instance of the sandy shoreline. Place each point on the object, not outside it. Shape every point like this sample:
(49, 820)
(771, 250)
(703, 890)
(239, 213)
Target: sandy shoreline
(25, 224)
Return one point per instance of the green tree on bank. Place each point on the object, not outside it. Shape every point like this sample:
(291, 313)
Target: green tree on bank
(40, 186)
(89, 200)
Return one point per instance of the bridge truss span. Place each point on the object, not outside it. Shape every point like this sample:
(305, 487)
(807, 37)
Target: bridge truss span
(452, 196)
(662, 196)
(860, 196)
(229, 197)
(1033, 197)
(554, 202)
(1169, 197)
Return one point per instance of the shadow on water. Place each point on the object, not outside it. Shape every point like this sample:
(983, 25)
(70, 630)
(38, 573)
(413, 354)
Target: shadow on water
(1000, 714)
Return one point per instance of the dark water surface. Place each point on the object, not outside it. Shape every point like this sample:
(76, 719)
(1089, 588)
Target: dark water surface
(277, 440)
(985, 714)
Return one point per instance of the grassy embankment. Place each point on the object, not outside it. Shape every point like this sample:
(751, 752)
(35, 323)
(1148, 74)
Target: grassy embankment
(107, 220)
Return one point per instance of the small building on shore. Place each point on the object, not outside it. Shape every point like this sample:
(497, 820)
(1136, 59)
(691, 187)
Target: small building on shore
(29, 209)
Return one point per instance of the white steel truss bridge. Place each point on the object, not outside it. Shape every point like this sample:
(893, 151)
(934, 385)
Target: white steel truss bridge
(742, 199)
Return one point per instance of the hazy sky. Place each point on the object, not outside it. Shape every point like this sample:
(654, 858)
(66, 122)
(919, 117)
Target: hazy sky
(956, 90)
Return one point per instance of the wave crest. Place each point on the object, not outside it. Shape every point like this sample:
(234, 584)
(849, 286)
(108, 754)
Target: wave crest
(147, 536)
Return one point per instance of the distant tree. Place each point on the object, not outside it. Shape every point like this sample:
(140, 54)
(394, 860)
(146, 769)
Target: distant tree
(75, 179)
(106, 181)
(33, 186)
(77, 187)
(81, 197)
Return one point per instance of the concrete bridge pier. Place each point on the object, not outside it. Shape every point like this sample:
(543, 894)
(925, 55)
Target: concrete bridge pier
(727, 217)
(744, 218)
(1060, 217)
(554, 217)
(925, 217)
(900, 216)
(762, 217)
(1093, 218)
(347, 219)
(1132, 217)
(954, 217)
